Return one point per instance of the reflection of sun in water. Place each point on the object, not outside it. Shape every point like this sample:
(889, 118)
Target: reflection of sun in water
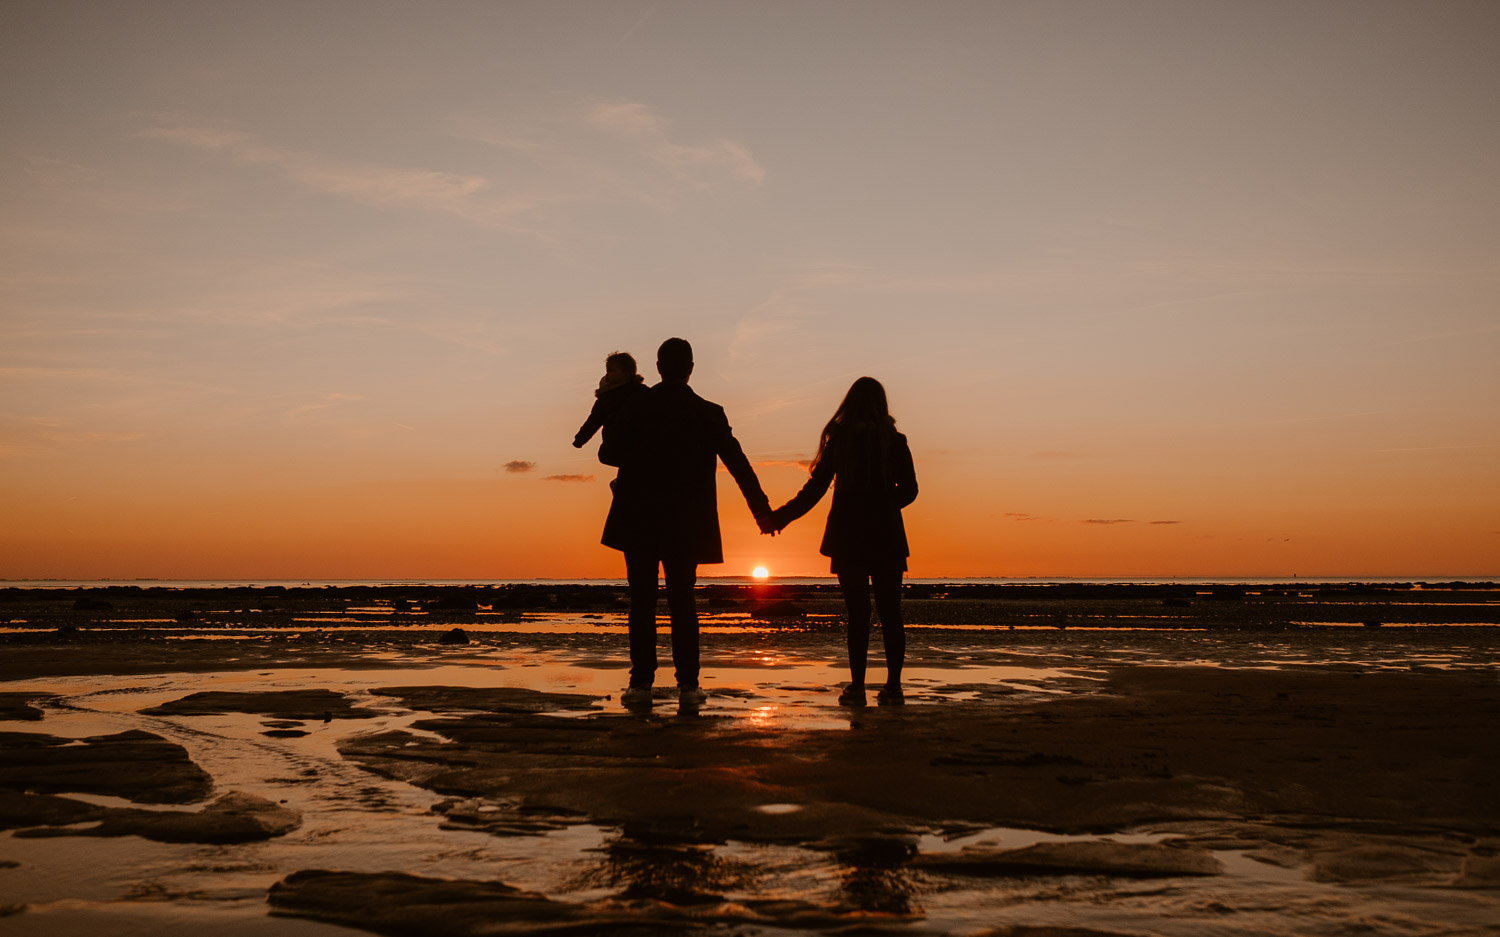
(760, 572)
(763, 716)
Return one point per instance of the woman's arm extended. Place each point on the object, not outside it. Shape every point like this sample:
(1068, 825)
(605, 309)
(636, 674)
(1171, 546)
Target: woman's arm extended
(811, 493)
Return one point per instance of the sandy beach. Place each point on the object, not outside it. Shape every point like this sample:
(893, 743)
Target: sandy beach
(1072, 760)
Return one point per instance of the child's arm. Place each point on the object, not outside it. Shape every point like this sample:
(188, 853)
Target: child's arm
(591, 425)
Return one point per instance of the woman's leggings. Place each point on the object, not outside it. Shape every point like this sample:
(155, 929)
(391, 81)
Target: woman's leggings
(887, 588)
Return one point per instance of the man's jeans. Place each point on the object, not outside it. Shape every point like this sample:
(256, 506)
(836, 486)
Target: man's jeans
(681, 577)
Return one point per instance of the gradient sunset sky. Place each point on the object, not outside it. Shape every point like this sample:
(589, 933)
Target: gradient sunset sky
(322, 289)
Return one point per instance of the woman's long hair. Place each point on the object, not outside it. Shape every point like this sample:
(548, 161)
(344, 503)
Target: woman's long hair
(864, 428)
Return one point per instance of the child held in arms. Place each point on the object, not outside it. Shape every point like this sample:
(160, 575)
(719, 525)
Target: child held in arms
(619, 383)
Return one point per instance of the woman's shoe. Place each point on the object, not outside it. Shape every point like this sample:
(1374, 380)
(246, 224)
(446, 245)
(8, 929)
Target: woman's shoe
(852, 696)
(891, 696)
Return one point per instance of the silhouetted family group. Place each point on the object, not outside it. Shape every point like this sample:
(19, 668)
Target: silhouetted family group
(667, 443)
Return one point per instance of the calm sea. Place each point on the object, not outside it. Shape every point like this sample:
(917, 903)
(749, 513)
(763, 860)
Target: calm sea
(731, 580)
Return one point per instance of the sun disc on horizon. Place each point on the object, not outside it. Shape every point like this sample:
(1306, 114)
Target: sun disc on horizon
(760, 572)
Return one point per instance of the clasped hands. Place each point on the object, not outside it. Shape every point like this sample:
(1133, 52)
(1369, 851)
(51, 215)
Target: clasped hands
(770, 522)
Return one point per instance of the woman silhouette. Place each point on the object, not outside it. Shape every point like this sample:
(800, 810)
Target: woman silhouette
(865, 537)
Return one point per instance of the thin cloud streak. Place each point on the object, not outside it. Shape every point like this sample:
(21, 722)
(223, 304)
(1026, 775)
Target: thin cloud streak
(580, 153)
(642, 124)
(1482, 445)
(98, 374)
(366, 183)
(329, 400)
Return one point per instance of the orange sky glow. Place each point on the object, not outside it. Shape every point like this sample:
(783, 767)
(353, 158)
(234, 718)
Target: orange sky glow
(1156, 289)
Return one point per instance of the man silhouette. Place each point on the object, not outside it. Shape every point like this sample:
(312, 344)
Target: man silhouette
(665, 512)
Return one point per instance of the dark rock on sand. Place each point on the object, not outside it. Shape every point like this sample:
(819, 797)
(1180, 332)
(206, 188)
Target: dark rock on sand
(870, 851)
(669, 781)
(447, 699)
(1166, 744)
(286, 704)
(1478, 872)
(1094, 857)
(136, 765)
(399, 905)
(454, 603)
(454, 636)
(1046, 930)
(233, 818)
(18, 706)
(1380, 862)
(504, 818)
(18, 810)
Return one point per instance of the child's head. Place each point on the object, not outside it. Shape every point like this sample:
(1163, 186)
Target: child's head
(620, 366)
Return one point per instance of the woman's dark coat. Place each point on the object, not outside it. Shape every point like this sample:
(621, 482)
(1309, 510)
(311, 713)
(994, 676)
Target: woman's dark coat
(665, 498)
(865, 532)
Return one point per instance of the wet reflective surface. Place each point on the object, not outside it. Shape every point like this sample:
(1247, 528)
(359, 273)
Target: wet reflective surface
(355, 820)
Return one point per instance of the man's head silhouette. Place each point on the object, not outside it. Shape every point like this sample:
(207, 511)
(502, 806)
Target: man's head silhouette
(674, 360)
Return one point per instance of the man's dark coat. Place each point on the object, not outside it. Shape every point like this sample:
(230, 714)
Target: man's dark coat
(665, 498)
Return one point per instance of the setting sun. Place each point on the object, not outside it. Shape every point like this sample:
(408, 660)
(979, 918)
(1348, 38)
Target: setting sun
(760, 572)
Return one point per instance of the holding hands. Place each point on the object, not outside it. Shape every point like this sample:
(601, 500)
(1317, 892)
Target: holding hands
(771, 522)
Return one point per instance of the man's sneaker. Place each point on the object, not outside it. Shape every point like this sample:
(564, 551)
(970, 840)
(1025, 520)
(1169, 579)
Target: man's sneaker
(691, 696)
(636, 697)
(852, 696)
(891, 696)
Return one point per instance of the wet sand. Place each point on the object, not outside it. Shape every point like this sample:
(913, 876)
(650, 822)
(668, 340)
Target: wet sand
(1116, 763)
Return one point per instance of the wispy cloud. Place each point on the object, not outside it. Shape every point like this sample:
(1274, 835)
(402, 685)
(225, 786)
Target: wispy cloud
(575, 151)
(33, 436)
(327, 401)
(1446, 335)
(567, 478)
(95, 437)
(367, 183)
(104, 375)
(518, 465)
(641, 124)
(582, 152)
(784, 463)
(640, 21)
(1482, 445)
(1126, 520)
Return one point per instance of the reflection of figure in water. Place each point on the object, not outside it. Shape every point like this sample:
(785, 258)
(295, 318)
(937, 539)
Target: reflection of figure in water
(665, 512)
(870, 466)
(619, 384)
